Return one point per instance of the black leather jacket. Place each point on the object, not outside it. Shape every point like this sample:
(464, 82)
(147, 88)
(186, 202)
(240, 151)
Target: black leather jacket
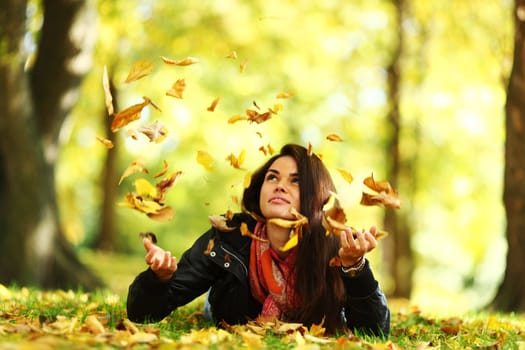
(224, 269)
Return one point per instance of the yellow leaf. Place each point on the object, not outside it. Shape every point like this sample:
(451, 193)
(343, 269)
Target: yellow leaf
(107, 92)
(177, 89)
(236, 118)
(128, 115)
(205, 159)
(184, 62)
(334, 137)
(139, 70)
(285, 94)
(346, 175)
(144, 188)
(105, 142)
(94, 325)
(135, 167)
(213, 105)
(292, 242)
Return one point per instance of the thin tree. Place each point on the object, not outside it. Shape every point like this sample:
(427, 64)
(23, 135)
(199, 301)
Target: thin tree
(511, 293)
(34, 101)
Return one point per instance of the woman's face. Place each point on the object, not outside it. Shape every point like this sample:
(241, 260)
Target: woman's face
(280, 189)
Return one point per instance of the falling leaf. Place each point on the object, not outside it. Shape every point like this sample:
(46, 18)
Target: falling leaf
(149, 235)
(135, 167)
(245, 231)
(386, 195)
(205, 159)
(163, 171)
(156, 132)
(242, 66)
(236, 162)
(247, 180)
(214, 103)
(163, 214)
(184, 62)
(177, 89)
(346, 175)
(254, 116)
(139, 70)
(220, 223)
(334, 137)
(107, 92)
(128, 115)
(277, 108)
(309, 151)
(236, 118)
(285, 94)
(232, 55)
(106, 142)
(168, 182)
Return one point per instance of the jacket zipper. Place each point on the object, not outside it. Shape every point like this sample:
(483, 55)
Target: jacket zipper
(236, 258)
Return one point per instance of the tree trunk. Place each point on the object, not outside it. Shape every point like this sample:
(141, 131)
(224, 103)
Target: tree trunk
(511, 293)
(396, 247)
(33, 250)
(106, 239)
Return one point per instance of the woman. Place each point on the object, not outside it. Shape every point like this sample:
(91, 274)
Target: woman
(250, 276)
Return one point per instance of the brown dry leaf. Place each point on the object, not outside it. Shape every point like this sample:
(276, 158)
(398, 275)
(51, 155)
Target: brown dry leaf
(156, 132)
(232, 55)
(386, 195)
(164, 214)
(220, 223)
(310, 149)
(236, 162)
(177, 89)
(128, 115)
(107, 92)
(209, 247)
(205, 159)
(285, 94)
(164, 185)
(214, 104)
(107, 143)
(334, 137)
(254, 116)
(139, 70)
(135, 167)
(346, 175)
(183, 62)
(163, 171)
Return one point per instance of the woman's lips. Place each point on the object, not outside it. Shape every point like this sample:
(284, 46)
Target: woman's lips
(279, 200)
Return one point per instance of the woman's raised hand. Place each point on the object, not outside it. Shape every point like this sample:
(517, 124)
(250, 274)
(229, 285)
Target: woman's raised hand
(355, 244)
(160, 261)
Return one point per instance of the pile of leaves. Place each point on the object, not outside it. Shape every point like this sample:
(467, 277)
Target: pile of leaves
(59, 319)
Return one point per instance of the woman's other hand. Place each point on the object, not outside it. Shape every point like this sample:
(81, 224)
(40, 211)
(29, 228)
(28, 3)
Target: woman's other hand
(355, 244)
(160, 261)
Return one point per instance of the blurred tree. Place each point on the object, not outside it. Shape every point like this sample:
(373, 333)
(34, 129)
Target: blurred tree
(511, 293)
(397, 253)
(34, 103)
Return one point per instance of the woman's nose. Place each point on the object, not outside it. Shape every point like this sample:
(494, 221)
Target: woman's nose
(280, 187)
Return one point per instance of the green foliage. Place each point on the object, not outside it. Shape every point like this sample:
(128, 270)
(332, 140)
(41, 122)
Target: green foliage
(332, 55)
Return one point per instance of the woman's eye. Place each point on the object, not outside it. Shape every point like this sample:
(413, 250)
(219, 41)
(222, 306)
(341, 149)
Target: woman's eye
(271, 177)
(295, 180)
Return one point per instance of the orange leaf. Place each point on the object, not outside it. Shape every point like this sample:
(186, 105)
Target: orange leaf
(334, 137)
(184, 62)
(163, 214)
(213, 105)
(139, 70)
(128, 115)
(163, 171)
(386, 195)
(107, 92)
(236, 162)
(177, 89)
(236, 118)
(254, 116)
(106, 142)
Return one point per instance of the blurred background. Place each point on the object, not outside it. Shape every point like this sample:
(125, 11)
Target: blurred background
(415, 89)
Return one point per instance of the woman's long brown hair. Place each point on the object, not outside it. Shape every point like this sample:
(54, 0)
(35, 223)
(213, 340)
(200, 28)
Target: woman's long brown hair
(318, 287)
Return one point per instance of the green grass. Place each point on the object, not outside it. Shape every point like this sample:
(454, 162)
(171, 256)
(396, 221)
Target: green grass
(36, 319)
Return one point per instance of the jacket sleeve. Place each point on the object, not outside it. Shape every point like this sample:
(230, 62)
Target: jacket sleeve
(366, 308)
(150, 300)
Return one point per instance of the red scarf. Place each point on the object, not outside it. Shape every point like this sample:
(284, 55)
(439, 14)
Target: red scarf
(270, 279)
